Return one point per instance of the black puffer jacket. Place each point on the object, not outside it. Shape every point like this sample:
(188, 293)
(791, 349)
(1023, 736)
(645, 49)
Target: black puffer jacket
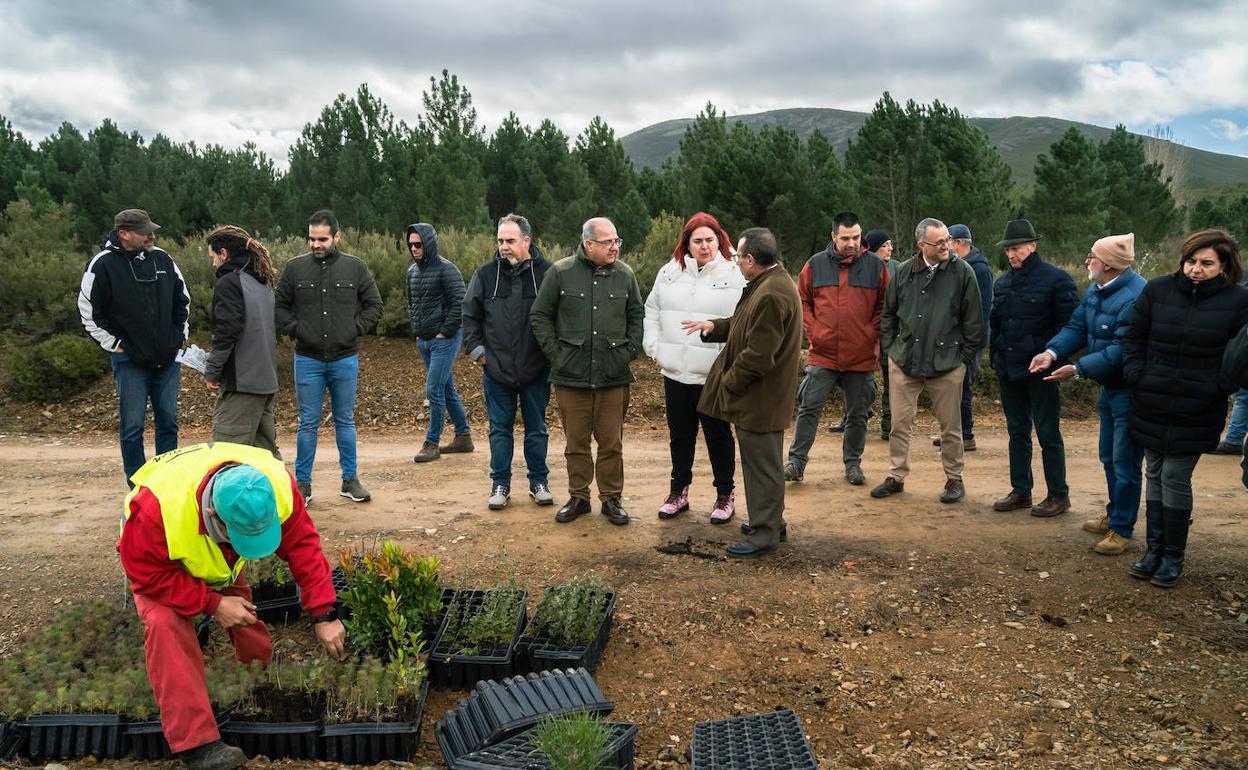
(1172, 360)
(1029, 306)
(435, 289)
(496, 319)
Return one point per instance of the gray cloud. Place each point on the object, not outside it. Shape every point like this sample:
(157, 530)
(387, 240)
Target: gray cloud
(235, 71)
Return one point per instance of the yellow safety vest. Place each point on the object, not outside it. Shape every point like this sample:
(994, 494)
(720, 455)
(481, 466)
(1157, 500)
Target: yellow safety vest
(174, 477)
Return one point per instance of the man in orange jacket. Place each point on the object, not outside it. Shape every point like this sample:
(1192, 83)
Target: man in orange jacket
(194, 517)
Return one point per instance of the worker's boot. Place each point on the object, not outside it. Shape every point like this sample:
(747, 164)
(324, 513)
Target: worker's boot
(213, 756)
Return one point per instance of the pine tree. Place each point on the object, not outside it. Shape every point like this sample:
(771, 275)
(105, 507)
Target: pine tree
(1138, 197)
(1068, 206)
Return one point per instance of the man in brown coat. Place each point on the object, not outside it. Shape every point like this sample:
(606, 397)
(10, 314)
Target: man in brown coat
(752, 383)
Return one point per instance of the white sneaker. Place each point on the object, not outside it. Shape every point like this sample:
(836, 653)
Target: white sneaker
(499, 497)
(541, 495)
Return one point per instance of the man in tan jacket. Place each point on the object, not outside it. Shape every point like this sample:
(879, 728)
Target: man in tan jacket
(752, 383)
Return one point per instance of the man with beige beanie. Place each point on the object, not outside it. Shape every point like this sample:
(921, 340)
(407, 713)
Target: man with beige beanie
(1097, 325)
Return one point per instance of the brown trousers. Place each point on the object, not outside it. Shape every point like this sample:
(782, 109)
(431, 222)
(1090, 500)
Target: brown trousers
(762, 469)
(903, 396)
(596, 413)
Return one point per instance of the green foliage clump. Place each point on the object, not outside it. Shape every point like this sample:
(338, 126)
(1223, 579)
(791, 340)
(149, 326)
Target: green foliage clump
(388, 590)
(271, 570)
(56, 368)
(577, 741)
(479, 626)
(571, 613)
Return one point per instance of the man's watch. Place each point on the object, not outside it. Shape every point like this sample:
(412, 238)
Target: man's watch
(328, 617)
(1077, 376)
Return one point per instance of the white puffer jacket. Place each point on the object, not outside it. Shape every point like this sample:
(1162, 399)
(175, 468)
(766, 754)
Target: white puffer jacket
(689, 295)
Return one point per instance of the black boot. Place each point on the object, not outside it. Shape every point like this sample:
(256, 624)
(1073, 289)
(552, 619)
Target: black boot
(1176, 524)
(1147, 565)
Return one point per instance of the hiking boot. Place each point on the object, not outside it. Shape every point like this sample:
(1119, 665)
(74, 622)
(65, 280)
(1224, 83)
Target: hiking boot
(853, 474)
(1012, 502)
(1113, 544)
(890, 486)
(954, 491)
(499, 497)
(725, 507)
(305, 489)
(837, 427)
(213, 756)
(968, 444)
(1225, 448)
(1051, 506)
(793, 473)
(428, 453)
(460, 444)
(674, 504)
(541, 495)
(613, 509)
(574, 507)
(1097, 526)
(353, 489)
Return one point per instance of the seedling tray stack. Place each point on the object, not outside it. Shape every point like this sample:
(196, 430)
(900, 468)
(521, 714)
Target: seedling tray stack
(70, 736)
(771, 741)
(520, 752)
(449, 668)
(543, 653)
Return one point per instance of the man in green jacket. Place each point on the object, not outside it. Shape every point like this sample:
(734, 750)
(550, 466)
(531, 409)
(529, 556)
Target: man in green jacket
(588, 319)
(752, 383)
(932, 327)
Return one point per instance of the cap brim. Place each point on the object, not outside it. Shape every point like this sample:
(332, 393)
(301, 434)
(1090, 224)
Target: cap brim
(1016, 241)
(257, 546)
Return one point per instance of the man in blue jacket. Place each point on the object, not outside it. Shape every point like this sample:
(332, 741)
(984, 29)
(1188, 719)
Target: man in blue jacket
(1098, 325)
(134, 304)
(1030, 303)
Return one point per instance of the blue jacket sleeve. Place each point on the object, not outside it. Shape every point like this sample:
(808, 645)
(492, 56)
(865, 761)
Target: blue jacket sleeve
(1109, 358)
(1074, 335)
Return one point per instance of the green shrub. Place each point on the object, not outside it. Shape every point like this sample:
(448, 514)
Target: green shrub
(383, 587)
(56, 368)
(576, 741)
(570, 613)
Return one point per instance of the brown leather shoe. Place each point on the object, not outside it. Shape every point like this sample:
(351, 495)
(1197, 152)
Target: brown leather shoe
(1051, 506)
(428, 453)
(613, 509)
(1012, 502)
(574, 507)
(889, 486)
(461, 443)
(954, 491)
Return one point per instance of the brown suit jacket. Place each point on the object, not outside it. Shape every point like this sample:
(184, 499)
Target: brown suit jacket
(754, 381)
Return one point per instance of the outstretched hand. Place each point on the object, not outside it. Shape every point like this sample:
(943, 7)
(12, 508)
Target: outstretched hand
(1064, 373)
(1042, 361)
(701, 327)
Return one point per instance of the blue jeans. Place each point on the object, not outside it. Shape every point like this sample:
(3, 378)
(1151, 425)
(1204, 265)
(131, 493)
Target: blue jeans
(1121, 458)
(1238, 428)
(312, 377)
(500, 409)
(439, 357)
(136, 385)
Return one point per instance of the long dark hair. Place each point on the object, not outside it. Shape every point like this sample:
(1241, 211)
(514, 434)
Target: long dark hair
(235, 240)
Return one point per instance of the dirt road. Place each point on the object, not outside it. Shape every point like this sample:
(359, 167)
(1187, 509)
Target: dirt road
(904, 632)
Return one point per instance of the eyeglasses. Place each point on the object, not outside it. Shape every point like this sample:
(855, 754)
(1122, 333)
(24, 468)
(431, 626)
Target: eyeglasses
(609, 242)
(156, 272)
(941, 242)
(415, 245)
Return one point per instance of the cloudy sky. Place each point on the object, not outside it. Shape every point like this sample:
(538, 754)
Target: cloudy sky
(233, 71)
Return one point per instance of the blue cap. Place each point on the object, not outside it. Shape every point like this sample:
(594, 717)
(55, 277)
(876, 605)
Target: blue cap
(960, 233)
(244, 500)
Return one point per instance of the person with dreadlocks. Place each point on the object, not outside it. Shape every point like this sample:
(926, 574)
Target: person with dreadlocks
(241, 366)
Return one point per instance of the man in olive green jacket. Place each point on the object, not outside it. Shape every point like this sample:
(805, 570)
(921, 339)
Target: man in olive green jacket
(932, 327)
(753, 382)
(588, 319)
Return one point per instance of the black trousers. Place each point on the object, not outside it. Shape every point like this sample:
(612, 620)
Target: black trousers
(683, 419)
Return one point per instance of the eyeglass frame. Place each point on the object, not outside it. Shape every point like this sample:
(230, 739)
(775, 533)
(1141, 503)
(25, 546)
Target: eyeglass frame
(607, 242)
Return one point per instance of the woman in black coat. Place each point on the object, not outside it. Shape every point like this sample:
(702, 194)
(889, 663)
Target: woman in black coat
(1172, 360)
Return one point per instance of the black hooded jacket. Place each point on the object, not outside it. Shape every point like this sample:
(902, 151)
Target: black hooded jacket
(496, 319)
(435, 289)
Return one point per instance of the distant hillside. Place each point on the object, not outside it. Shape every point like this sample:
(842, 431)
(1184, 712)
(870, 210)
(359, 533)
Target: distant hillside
(1020, 140)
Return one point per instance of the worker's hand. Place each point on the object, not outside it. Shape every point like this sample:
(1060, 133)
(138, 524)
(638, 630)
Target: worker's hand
(1064, 373)
(333, 637)
(481, 361)
(701, 327)
(212, 385)
(1042, 361)
(235, 611)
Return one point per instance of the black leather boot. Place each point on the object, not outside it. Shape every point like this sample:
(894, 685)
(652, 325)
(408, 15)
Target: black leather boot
(1176, 525)
(1147, 565)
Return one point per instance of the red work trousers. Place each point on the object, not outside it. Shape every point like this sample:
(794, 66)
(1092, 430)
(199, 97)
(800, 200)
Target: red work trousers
(175, 667)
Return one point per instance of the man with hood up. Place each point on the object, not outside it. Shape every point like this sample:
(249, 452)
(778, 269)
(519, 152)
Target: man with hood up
(134, 304)
(965, 250)
(435, 304)
(498, 336)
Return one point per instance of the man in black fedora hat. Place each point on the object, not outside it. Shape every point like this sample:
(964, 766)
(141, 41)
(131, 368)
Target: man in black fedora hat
(1031, 302)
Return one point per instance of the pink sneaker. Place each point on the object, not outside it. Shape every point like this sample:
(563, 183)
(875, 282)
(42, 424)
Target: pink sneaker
(725, 507)
(674, 504)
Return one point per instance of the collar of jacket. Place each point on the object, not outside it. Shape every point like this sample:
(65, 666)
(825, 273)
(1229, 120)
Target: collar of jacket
(429, 261)
(1122, 280)
(330, 256)
(236, 263)
(691, 264)
(1202, 289)
(919, 264)
(583, 257)
(1031, 263)
(838, 259)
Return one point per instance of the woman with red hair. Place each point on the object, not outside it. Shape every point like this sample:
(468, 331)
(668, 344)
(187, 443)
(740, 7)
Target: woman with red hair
(701, 282)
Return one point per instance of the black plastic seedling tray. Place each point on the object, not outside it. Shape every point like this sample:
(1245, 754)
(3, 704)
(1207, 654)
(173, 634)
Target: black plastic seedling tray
(520, 752)
(448, 668)
(71, 736)
(367, 743)
(771, 741)
(543, 653)
(12, 739)
(146, 740)
(275, 740)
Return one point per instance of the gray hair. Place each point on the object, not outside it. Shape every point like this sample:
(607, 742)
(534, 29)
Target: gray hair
(590, 228)
(526, 231)
(920, 230)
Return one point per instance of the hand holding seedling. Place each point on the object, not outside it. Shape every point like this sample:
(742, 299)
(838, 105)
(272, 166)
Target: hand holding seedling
(334, 638)
(235, 611)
